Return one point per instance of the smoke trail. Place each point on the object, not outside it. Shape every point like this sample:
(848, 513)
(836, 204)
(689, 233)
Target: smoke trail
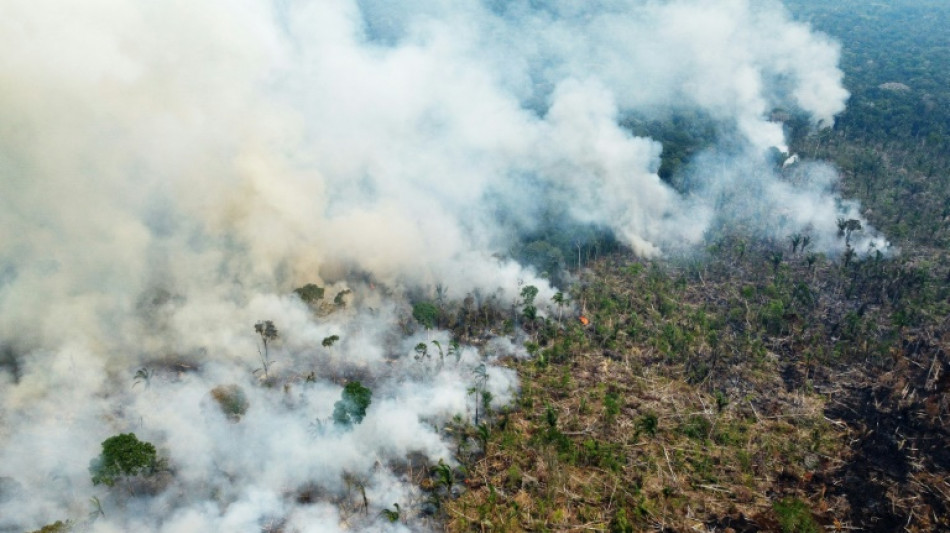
(170, 171)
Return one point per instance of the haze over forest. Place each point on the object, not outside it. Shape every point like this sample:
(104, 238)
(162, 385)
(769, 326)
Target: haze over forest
(352, 265)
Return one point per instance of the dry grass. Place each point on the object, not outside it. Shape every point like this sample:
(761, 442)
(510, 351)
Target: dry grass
(680, 408)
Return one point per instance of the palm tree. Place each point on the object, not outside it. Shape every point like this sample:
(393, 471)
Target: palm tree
(268, 332)
(143, 376)
(559, 299)
(392, 515)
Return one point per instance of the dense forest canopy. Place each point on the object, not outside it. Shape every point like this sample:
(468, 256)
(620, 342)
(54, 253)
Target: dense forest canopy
(894, 55)
(893, 140)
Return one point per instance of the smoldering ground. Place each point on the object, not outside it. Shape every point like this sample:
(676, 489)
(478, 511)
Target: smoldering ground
(171, 171)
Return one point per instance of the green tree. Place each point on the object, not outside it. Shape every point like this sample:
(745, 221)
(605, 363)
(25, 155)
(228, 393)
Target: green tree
(426, 314)
(559, 300)
(123, 455)
(847, 227)
(310, 293)
(340, 298)
(422, 351)
(351, 409)
(529, 311)
(392, 514)
(528, 294)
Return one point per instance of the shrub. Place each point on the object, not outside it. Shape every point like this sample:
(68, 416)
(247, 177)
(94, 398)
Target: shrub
(620, 523)
(232, 400)
(353, 403)
(513, 481)
(611, 405)
(648, 423)
(123, 455)
(794, 516)
(426, 314)
(696, 427)
(310, 293)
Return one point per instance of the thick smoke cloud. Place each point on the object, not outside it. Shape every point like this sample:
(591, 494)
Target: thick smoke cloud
(170, 170)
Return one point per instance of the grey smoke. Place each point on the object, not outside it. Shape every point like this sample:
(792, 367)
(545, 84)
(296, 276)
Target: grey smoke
(170, 171)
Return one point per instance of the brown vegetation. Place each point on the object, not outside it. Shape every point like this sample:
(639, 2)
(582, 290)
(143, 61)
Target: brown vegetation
(746, 392)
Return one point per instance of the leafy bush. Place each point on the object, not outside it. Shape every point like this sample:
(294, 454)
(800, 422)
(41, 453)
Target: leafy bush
(513, 481)
(605, 455)
(648, 423)
(620, 523)
(611, 406)
(794, 516)
(310, 293)
(232, 400)
(426, 314)
(351, 409)
(123, 455)
(696, 427)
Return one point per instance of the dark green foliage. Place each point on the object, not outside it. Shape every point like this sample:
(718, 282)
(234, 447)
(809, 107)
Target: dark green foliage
(892, 143)
(546, 259)
(721, 401)
(696, 427)
(310, 293)
(773, 318)
(620, 523)
(123, 456)
(611, 405)
(444, 477)
(607, 455)
(795, 517)
(266, 329)
(559, 243)
(339, 299)
(353, 404)
(530, 313)
(561, 442)
(329, 341)
(551, 416)
(422, 351)
(478, 389)
(426, 314)
(483, 433)
(487, 398)
(683, 135)
(900, 41)
(528, 294)
(847, 227)
(514, 478)
(648, 423)
(392, 514)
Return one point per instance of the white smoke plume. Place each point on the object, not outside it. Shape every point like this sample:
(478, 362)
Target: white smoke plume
(170, 170)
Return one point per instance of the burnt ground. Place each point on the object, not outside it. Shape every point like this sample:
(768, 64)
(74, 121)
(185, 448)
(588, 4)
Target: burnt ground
(897, 474)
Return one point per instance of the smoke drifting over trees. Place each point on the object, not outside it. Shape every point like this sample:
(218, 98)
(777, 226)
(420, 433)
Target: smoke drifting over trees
(170, 172)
